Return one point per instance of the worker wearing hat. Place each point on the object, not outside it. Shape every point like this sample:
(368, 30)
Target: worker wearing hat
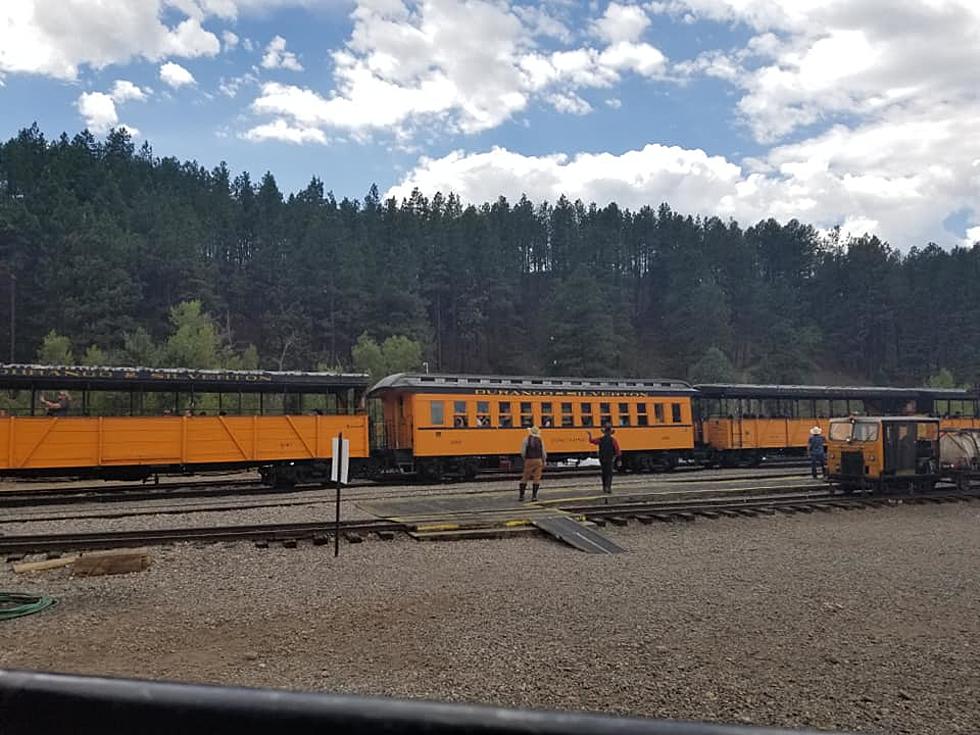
(817, 449)
(534, 455)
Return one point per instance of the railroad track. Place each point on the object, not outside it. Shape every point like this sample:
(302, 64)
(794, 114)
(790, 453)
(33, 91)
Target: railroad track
(618, 512)
(47, 497)
(284, 532)
(312, 496)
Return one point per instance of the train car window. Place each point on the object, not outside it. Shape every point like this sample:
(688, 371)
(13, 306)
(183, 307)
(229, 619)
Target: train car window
(605, 414)
(804, 409)
(839, 408)
(586, 414)
(675, 412)
(483, 414)
(927, 432)
(624, 414)
(856, 408)
(527, 418)
(867, 432)
(506, 420)
(547, 416)
(788, 408)
(941, 408)
(641, 415)
(770, 408)
(822, 408)
(460, 420)
(960, 409)
(437, 412)
(566, 415)
(658, 412)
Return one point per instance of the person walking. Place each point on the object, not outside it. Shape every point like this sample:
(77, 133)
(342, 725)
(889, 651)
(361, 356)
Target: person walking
(609, 452)
(817, 449)
(534, 455)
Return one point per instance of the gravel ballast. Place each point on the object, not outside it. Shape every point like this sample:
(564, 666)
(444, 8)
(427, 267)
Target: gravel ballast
(863, 621)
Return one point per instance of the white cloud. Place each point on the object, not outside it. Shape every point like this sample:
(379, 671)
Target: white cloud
(899, 180)
(55, 38)
(816, 62)
(124, 90)
(229, 87)
(99, 111)
(277, 57)
(621, 23)
(230, 40)
(281, 130)
(461, 65)
(175, 75)
(570, 103)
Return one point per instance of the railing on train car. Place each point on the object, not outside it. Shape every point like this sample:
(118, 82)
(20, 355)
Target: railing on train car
(32, 703)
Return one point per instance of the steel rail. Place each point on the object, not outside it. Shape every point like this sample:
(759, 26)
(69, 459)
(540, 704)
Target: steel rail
(39, 543)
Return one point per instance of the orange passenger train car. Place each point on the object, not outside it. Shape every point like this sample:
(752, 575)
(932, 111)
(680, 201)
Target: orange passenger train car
(456, 425)
(744, 423)
(131, 423)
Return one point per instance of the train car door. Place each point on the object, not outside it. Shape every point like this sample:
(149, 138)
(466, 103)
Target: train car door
(899, 447)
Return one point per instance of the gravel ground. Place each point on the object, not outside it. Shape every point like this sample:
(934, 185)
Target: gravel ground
(862, 621)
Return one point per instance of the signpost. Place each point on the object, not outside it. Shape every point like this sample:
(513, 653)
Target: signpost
(339, 466)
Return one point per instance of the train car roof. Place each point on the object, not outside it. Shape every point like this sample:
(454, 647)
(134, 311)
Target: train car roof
(737, 390)
(84, 377)
(527, 385)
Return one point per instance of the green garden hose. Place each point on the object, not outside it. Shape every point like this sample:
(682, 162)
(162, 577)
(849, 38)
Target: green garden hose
(13, 605)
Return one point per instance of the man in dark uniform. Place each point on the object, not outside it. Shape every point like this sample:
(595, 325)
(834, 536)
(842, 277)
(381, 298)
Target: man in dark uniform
(59, 407)
(609, 452)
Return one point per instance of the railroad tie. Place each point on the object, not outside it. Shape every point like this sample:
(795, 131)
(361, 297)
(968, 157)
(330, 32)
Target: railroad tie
(385, 535)
(644, 519)
(617, 520)
(352, 538)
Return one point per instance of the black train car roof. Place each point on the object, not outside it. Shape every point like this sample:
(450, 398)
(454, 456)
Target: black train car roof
(62, 377)
(527, 385)
(734, 390)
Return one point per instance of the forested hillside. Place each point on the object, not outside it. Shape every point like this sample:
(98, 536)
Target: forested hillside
(105, 240)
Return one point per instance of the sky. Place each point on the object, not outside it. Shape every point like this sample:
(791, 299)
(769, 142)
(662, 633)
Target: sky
(859, 115)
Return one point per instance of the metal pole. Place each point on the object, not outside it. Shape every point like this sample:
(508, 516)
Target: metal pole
(13, 311)
(338, 463)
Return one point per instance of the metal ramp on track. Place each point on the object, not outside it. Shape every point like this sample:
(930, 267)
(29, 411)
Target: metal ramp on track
(582, 537)
(487, 515)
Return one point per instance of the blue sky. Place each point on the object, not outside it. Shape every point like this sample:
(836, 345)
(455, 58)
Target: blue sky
(863, 116)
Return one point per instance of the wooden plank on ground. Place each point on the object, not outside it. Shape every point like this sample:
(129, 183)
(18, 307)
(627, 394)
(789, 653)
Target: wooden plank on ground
(40, 566)
(121, 561)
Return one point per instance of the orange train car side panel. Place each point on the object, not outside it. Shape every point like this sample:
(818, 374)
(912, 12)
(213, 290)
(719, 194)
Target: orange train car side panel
(734, 434)
(473, 440)
(77, 442)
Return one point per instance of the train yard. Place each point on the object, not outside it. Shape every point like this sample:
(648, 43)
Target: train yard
(713, 587)
(744, 597)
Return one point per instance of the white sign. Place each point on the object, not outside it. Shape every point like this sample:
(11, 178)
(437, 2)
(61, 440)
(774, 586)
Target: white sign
(341, 460)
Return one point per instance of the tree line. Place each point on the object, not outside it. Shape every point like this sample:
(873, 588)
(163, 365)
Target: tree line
(106, 241)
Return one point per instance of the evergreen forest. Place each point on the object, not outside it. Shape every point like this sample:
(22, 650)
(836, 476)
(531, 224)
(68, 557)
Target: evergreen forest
(120, 256)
